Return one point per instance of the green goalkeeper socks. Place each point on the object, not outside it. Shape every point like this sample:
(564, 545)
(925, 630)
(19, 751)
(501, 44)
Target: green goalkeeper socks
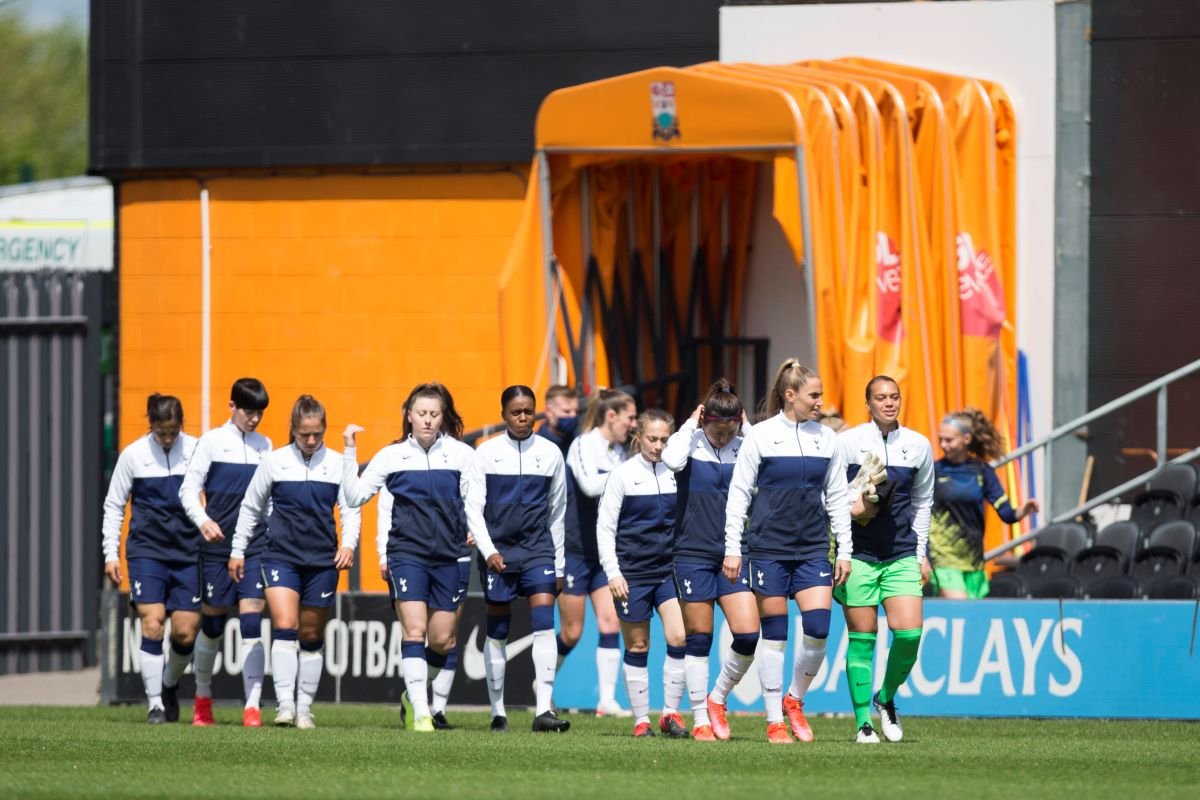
(900, 661)
(860, 652)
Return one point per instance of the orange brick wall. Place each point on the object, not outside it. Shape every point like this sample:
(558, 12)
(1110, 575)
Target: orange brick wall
(351, 288)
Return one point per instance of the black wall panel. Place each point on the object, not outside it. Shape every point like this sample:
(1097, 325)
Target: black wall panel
(240, 83)
(1144, 299)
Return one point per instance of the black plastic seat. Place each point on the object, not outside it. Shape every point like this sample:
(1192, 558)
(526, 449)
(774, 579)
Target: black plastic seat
(1181, 479)
(1173, 587)
(1055, 549)
(1156, 506)
(1065, 586)
(1169, 550)
(1115, 548)
(1006, 585)
(1115, 587)
(1193, 513)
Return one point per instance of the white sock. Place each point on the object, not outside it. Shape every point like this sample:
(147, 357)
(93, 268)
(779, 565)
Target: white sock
(285, 663)
(770, 675)
(177, 664)
(733, 669)
(253, 656)
(206, 656)
(152, 672)
(637, 684)
(311, 666)
(441, 684)
(674, 682)
(696, 668)
(809, 654)
(608, 667)
(545, 660)
(495, 661)
(416, 676)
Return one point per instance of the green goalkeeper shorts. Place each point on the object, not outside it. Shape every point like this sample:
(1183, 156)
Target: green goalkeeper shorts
(973, 582)
(872, 582)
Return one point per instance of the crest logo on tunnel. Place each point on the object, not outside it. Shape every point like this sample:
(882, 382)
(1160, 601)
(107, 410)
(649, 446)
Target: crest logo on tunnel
(662, 105)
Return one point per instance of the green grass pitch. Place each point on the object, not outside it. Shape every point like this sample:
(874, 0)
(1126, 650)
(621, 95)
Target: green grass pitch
(359, 751)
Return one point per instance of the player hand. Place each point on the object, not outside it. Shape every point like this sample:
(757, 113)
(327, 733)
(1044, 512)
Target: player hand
(351, 431)
(112, 571)
(237, 569)
(697, 414)
(1028, 509)
(841, 571)
(344, 558)
(731, 567)
(495, 562)
(211, 532)
(470, 539)
(383, 573)
(925, 570)
(619, 588)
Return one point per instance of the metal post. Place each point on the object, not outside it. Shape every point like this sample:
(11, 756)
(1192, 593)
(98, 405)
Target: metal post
(548, 257)
(1162, 425)
(205, 311)
(1048, 477)
(810, 286)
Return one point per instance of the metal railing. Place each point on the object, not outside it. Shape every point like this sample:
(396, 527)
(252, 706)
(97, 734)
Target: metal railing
(1158, 386)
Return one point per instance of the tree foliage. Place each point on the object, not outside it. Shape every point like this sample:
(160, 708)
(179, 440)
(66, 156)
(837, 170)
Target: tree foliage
(43, 101)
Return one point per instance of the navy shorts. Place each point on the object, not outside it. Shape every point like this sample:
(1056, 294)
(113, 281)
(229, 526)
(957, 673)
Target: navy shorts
(643, 599)
(704, 583)
(440, 586)
(317, 586)
(219, 589)
(177, 585)
(772, 578)
(583, 576)
(499, 588)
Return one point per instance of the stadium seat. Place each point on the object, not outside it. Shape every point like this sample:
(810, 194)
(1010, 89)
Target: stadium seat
(1114, 550)
(1193, 512)
(1055, 548)
(1173, 587)
(1065, 586)
(1006, 585)
(1115, 587)
(1178, 478)
(1169, 550)
(1153, 507)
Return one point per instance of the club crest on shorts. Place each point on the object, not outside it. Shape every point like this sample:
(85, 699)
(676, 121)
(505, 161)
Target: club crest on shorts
(687, 585)
(665, 124)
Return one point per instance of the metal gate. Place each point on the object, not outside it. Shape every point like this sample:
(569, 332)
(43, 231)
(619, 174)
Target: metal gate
(51, 469)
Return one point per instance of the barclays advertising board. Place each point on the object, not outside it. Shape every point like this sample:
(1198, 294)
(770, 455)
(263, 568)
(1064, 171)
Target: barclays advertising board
(977, 658)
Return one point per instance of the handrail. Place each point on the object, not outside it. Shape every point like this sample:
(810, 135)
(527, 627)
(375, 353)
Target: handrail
(1158, 385)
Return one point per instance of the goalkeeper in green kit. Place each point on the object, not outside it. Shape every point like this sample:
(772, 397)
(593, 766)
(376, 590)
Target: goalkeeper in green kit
(890, 469)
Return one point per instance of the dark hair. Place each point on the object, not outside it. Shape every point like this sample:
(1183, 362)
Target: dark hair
(558, 390)
(513, 392)
(599, 406)
(452, 423)
(645, 418)
(306, 406)
(164, 408)
(721, 401)
(880, 379)
(987, 443)
(791, 375)
(249, 394)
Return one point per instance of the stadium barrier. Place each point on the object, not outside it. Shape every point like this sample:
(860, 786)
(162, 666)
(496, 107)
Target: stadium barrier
(990, 658)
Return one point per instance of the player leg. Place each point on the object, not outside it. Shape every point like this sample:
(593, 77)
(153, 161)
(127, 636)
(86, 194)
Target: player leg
(741, 614)
(674, 666)
(901, 590)
(771, 580)
(608, 650)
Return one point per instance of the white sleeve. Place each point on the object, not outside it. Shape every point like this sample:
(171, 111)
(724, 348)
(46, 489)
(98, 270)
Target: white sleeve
(680, 446)
(357, 491)
(193, 483)
(588, 477)
(383, 524)
(835, 502)
(606, 526)
(351, 520)
(119, 489)
(741, 488)
(922, 500)
(558, 514)
(472, 484)
(254, 505)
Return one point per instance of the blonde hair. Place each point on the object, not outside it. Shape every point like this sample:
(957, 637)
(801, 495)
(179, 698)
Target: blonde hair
(644, 419)
(987, 443)
(599, 406)
(791, 375)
